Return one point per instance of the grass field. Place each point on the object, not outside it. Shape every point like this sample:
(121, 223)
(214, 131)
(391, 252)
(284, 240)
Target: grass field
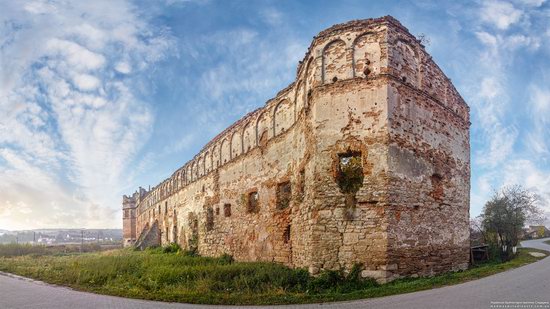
(547, 242)
(180, 277)
(10, 250)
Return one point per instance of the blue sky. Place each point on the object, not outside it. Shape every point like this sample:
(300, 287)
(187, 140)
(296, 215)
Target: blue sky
(100, 97)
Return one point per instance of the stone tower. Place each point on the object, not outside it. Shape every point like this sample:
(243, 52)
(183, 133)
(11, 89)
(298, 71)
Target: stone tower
(364, 158)
(129, 219)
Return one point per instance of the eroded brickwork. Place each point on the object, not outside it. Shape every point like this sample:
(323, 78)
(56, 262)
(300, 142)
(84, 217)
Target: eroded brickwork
(363, 159)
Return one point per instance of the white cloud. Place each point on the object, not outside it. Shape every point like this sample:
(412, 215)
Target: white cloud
(70, 127)
(540, 100)
(500, 145)
(487, 38)
(510, 131)
(532, 3)
(91, 36)
(527, 173)
(538, 138)
(86, 82)
(75, 55)
(123, 67)
(254, 67)
(492, 105)
(509, 43)
(490, 88)
(272, 16)
(500, 14)
(39, 7)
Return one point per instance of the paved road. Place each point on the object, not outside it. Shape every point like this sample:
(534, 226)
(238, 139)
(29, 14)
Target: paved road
(528, 284)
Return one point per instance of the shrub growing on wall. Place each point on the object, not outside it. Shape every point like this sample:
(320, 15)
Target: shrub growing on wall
(350, 177)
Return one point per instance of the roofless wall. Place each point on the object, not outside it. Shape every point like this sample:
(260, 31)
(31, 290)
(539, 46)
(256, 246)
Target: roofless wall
(359, 160)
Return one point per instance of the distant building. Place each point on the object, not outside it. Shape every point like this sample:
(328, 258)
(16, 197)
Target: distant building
(536, 231)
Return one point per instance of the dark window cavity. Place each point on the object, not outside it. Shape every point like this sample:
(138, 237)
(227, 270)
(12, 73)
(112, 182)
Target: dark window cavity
(284, 194)
(209, 219)
(227, 210)
(253, 201)
(286, 235)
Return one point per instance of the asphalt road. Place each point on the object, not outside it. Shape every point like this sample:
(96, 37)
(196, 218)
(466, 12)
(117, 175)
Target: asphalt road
(525, 287)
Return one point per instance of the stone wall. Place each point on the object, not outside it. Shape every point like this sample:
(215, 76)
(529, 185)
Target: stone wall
(129, 220)
(363, 159)
(429, 166)
(150, 237)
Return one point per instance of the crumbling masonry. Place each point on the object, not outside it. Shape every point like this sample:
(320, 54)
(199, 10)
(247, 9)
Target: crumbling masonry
(365, 159)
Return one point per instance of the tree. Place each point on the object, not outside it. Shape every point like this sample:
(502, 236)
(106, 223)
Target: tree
(540, 232)
(477, 234)
(505, 214)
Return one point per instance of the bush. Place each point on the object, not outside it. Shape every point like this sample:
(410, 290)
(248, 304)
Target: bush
(226, 259)
(189, 253)
(171, 248)
(154, 250)
(338, 281)
(326, 280)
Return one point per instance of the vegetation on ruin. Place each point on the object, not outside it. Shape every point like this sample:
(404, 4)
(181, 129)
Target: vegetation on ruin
(171, 274)
(350, 173)
(349, 177)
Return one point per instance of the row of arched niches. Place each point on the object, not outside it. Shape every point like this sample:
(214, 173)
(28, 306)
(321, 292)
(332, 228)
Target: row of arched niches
(329, 60)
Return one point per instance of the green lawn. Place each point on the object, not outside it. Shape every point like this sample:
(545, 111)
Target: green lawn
(180, 277)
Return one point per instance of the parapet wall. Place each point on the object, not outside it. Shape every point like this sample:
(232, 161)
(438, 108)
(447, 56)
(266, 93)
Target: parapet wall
(268, 187)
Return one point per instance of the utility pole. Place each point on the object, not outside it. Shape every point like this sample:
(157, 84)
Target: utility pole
(17, 242)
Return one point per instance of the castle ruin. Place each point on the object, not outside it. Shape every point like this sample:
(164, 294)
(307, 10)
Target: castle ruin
(364, 158)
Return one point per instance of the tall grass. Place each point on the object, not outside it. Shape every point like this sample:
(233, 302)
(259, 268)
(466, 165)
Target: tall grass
(11, 250)
(170, 274)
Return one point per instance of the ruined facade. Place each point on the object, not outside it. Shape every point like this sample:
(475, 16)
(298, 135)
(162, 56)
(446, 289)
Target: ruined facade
(363, 159)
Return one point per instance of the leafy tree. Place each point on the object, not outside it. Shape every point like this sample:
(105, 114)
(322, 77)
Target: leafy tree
(540, 232)
(505, 214)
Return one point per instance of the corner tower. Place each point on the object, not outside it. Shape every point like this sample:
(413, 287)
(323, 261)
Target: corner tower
(391, 154)
(129, 220)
